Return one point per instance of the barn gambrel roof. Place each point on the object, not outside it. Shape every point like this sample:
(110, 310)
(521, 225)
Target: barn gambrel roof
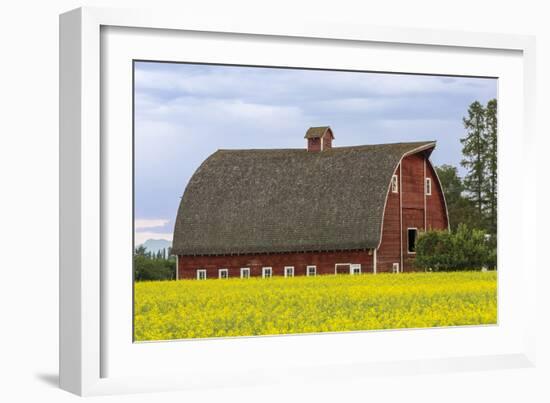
(288, 200)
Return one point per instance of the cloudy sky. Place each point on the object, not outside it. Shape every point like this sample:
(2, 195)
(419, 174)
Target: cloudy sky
(185, 112)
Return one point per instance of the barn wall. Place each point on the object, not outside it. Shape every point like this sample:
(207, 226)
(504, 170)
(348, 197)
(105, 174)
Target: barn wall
(410, 208)
(327, 141)
(412, 218)
(435, 204)
(325, 262)
(314, 144)
(388, 252)
(413, 201)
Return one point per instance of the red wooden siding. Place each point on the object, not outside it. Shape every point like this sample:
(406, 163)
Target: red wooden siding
(413, 201)
(413, 181)
(327, 141)
(417, 211)
(388, 252)
(412, 218)
(325, 262)
(314, 144)
(436, 210)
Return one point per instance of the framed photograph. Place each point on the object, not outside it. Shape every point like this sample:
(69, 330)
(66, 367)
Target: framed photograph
(235, 200)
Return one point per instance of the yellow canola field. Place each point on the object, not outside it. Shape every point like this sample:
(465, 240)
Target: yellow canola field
(244, 307)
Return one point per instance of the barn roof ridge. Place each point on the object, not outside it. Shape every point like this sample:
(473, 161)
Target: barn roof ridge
(343, 148)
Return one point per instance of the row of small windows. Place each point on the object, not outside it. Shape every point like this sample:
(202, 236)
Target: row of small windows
(266, 272)
(288, 271)
(395, 185)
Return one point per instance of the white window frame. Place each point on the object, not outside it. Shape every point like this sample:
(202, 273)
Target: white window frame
(395, 184)
(292, 270)
(220, 271)
(266, 270)
(245, 270)
(342, 264)
(314, 270)
(415, 238)
(354, 266)
(396, 268)
(428, 186)
(199, 272)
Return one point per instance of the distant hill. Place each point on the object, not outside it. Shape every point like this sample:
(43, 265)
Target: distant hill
(154, 245)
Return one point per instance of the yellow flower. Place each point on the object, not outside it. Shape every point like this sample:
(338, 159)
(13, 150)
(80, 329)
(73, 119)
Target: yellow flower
(234, 307)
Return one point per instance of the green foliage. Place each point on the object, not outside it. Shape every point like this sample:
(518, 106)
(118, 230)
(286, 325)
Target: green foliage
(146, 268)
(451, 182)
(473, 150)
(464, 249)
(461, 209)
(490, 187)
(153, 266)
(479, 149)
(140, 251)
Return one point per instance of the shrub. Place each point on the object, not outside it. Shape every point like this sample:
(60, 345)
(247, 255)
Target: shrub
(464, 249)
(146, 268)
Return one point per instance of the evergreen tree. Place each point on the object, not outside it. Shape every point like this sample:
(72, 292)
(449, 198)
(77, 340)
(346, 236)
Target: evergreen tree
(461, 210)
(140, 251)
(491, 164)
(474, 150)
(450, 182)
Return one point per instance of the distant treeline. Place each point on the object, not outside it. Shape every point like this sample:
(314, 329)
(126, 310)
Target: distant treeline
(150, 266)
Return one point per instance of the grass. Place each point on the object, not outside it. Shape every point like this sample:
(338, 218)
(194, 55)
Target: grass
(244, 307)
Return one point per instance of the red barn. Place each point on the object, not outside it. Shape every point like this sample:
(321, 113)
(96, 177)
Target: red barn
(320, 210)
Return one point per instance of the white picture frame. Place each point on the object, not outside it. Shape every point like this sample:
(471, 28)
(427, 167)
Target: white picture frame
(88, 335)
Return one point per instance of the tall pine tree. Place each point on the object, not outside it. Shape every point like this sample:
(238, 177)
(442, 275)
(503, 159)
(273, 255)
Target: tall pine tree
(474, 150)
(491, 164)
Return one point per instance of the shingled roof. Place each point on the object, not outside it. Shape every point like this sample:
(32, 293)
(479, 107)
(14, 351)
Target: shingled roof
(288, 200)
(316, 132)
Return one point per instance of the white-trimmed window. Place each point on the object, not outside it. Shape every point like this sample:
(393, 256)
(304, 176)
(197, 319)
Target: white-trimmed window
(201, 274)
(355, 269)
(223, 273)
(245, 272)
(428, 186)
(311, 270)
(267, 272)
(289, 271)
(394, 184)
(395, 268)
(412, 234)
(342, 268)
